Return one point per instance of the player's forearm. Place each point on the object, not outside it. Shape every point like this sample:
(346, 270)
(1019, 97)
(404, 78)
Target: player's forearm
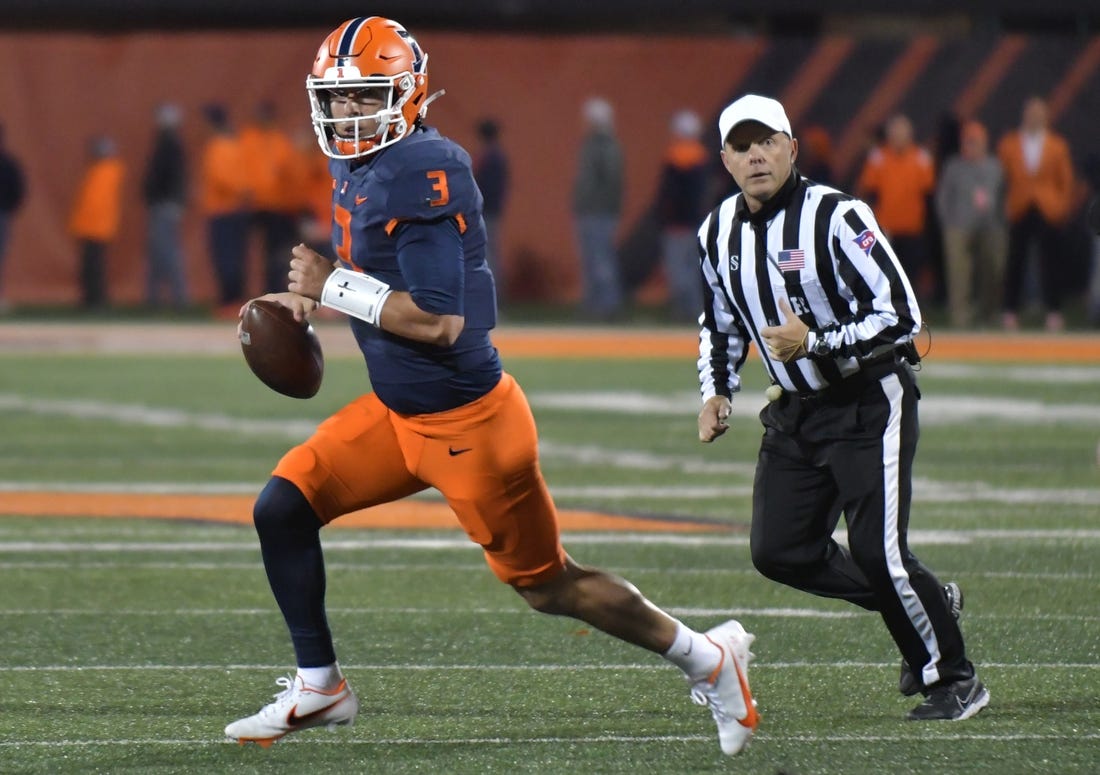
(401, 316)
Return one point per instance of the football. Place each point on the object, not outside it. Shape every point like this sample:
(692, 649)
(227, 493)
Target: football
(284, 353)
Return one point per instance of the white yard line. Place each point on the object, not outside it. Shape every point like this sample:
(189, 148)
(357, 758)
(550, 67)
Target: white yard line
(762, 613)
(925, 490)
(433, 543)
(967, 407)
(345, 741)
(522, 668)
(939, 409)
(1034, 374)
(368, 566)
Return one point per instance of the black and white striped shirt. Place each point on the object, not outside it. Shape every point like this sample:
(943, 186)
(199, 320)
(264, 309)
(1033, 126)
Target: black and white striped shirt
(824, 252)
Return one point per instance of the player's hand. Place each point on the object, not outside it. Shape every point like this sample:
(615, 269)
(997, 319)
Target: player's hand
(301, 306)
(308, 272)
(712, 420)
(787, 341)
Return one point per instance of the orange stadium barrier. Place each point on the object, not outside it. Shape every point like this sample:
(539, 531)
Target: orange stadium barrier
(59, 89)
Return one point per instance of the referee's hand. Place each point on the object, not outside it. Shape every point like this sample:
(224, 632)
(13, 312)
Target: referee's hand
(712, 420)
(787, 341)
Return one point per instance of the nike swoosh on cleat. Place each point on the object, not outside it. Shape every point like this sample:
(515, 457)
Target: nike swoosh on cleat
(294, 720)
(752, 718)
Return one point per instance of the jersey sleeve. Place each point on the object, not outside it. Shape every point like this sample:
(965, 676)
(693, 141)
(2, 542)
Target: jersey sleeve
(431, 257)
(430, 183)
(723, 337)
(424, 199)
(887, 313)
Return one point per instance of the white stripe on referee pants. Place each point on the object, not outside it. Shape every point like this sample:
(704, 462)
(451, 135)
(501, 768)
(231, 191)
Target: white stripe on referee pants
(891, 463)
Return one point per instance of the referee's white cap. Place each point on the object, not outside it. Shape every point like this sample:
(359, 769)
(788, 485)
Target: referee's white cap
(753, 107)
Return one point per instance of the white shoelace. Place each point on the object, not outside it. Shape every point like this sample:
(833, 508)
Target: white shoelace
(705, 693)
(287, 682)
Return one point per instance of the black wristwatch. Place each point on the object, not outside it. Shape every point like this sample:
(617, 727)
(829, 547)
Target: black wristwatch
(821, 347)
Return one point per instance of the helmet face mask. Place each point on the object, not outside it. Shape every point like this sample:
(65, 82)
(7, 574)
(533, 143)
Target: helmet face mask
(375, 55)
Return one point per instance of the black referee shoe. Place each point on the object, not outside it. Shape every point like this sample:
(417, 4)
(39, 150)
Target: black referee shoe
(907, 682)
(953, 702)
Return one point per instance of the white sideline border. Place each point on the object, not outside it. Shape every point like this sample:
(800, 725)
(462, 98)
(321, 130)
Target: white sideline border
(435, 543)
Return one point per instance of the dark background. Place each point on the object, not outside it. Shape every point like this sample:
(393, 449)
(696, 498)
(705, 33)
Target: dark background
(773, 17)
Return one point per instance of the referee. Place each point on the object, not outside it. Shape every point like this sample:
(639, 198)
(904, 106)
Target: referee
(804, 272)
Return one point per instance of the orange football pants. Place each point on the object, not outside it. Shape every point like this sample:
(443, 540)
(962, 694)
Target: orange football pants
(483, 458)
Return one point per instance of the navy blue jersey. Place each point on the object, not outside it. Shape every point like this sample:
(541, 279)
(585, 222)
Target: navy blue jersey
(410, 215)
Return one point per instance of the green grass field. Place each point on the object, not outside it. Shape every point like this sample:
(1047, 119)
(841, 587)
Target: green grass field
(129, 644)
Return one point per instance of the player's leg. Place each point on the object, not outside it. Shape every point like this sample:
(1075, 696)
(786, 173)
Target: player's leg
(911, 599)
(351, 462)
(496, 489)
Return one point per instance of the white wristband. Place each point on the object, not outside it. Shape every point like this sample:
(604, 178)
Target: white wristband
(356, 294)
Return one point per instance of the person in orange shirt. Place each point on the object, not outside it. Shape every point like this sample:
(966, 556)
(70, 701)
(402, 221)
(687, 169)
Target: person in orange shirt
(269, 162)
(311, 180)
(1038, 200)
(95, 215)
(224, 200)
(897, 180)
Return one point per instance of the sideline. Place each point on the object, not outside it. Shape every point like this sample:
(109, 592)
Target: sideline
(214, 338)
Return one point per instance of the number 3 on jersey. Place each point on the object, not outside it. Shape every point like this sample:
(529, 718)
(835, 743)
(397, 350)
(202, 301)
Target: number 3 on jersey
(341, 216)
(439, 186)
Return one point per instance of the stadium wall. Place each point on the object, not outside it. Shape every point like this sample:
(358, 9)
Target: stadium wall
(58, 89)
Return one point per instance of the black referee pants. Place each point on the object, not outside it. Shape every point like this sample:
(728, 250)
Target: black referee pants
(850, 451)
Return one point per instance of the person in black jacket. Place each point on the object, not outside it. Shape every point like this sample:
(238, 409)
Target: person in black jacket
(165, 193)
(492, 175)
(12, 192)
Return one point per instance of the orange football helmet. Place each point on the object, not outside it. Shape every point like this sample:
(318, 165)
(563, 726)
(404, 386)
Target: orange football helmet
(368, 53)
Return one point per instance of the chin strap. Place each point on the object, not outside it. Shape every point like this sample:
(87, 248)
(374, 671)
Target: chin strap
(430, 100)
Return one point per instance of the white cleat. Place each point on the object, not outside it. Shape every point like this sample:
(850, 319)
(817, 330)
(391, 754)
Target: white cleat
(295, 708)
(726, 690)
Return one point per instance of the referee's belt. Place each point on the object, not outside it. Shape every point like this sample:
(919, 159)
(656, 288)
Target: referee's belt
(871, 370)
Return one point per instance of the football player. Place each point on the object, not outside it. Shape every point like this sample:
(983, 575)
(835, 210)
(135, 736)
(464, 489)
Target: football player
(412, 277)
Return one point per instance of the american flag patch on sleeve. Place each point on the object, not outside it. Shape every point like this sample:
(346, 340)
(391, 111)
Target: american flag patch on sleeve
(792, 260)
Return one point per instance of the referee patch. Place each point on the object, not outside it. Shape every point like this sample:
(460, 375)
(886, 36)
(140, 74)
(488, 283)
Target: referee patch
(866, 240)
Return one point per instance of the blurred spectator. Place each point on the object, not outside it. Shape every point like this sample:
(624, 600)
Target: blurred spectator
(1090, 170)
(945, 144)
(492, 176)
(94, 218)
(269, 159)
(948, 140)
(897, 179)
(165, 193)
(223, 199)
(680, 209)
(312, 180)
(970, 202)
(1038, 198)
(12, 192)
(597, 204)
(815, 155)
